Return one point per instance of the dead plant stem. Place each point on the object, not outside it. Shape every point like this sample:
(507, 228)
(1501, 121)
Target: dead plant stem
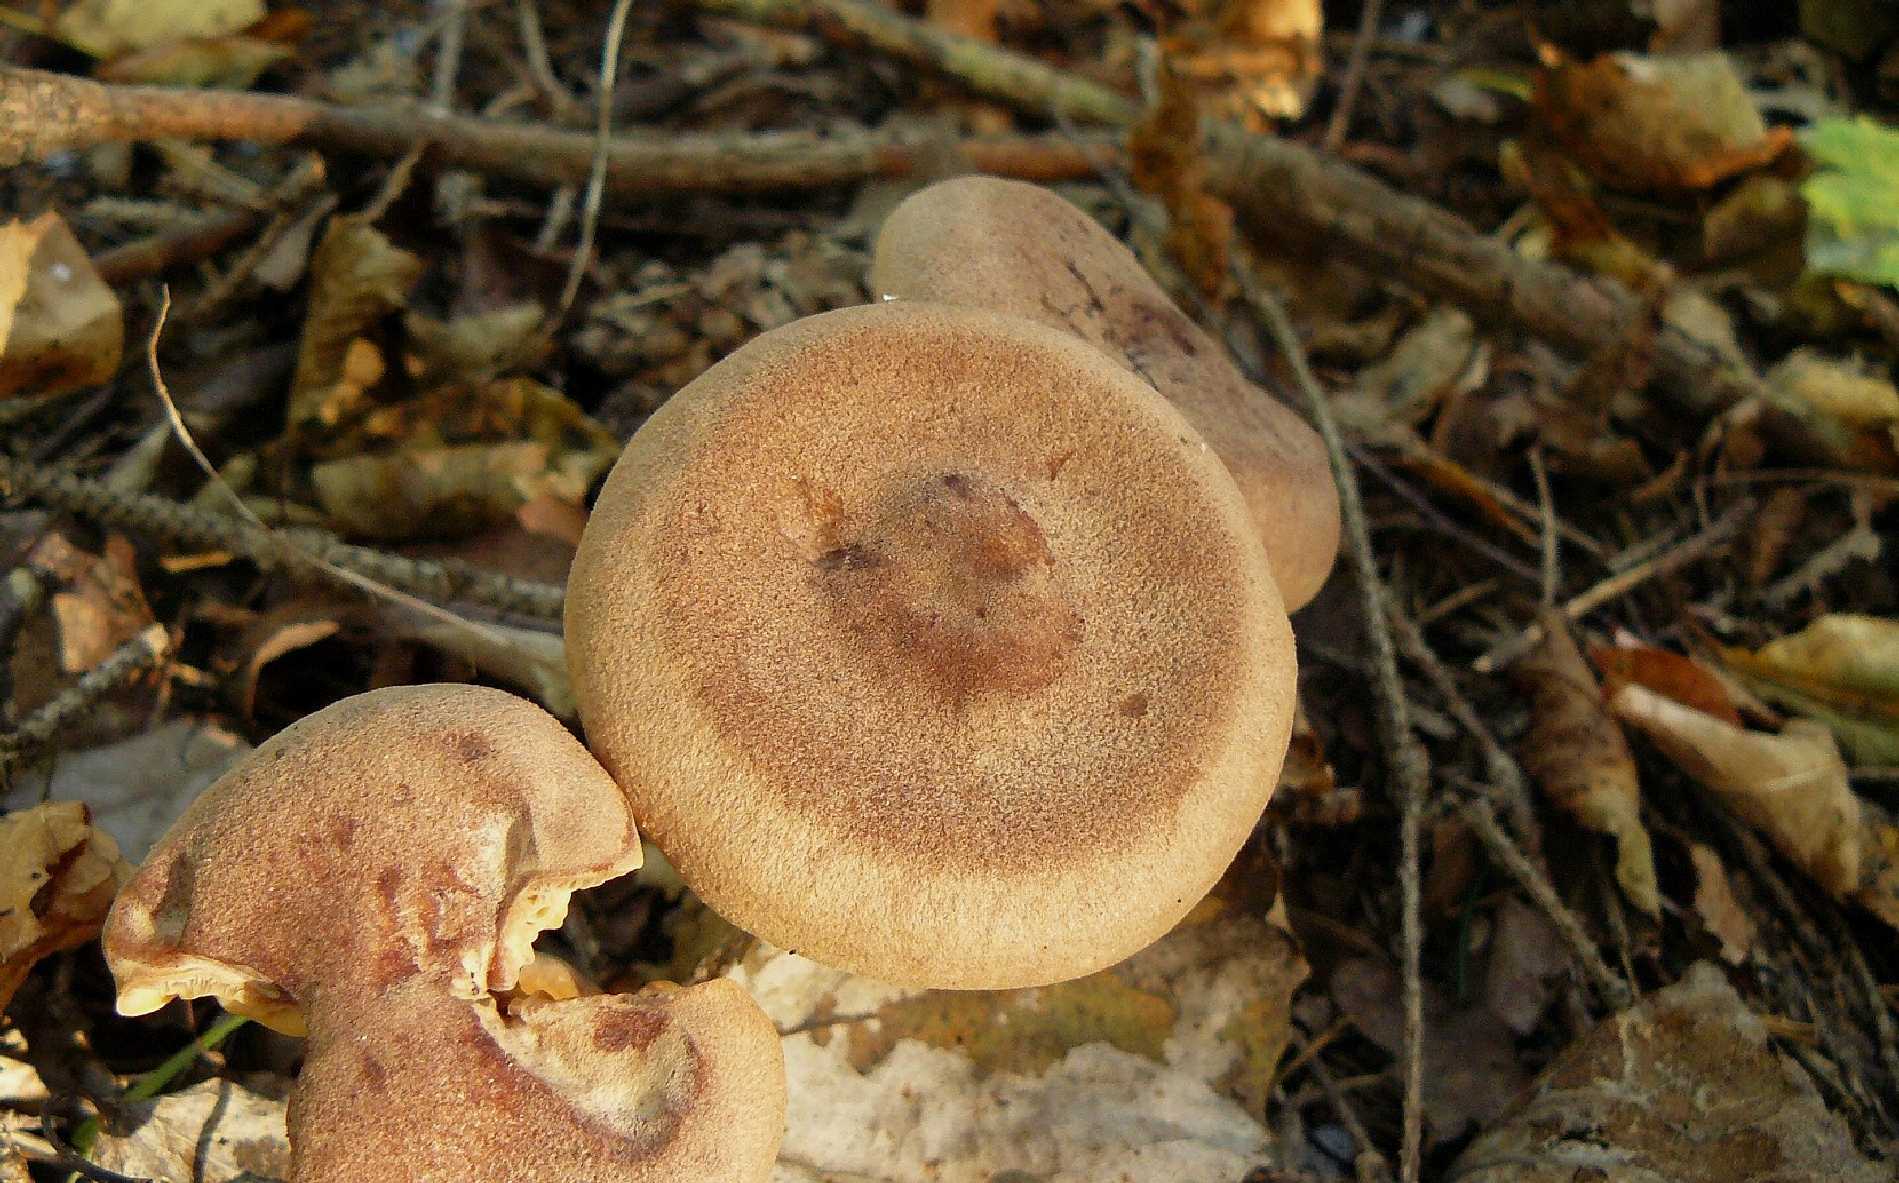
(1409, 766)
(44, 725)
(1368, 17)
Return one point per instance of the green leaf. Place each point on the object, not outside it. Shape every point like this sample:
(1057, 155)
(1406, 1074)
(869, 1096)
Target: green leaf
(1853, 200)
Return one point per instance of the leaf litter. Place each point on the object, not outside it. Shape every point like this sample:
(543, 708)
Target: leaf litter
(433, 411)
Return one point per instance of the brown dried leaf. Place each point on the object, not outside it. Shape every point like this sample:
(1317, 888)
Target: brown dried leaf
(1474, 1069)
(1648, 123)
(1720, 912)
(1848, 414)
(1682, 1088)
(1578, 754)
(101, 606)
(1791, 786)
(357, 278)
(105, 28)
(61, 327)
(1166, 160)
(1527, 959)
(1842, 670)
(1670, 674)
(1255, 61)
(223, 63)
(58, 875)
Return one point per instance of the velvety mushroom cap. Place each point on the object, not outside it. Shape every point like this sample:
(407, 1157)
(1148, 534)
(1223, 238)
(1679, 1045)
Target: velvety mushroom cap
(934, 645)
(372, 875)
(1013, 247)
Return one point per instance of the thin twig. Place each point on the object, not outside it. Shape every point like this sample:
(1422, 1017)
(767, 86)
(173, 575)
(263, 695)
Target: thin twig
(440, 580)
(597, 172)
(1409, 765)
(44, 725)
(1368, 18)
(448, 55)
(1369, 1164)
(43, 113)
(357, 580)
(1016, 79)
(1483, 821)
(1546, 504)
(540, 65)
(1622, 583)
(1504, 775)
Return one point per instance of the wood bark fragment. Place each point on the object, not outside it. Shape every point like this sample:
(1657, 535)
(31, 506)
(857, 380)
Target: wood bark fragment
(42, 113)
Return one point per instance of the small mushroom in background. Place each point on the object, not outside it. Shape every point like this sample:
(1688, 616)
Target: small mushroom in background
(375, 876)
(1009, 246)
(934, 645)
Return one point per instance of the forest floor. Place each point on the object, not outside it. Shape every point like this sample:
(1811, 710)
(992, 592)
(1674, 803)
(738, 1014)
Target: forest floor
(320, 327)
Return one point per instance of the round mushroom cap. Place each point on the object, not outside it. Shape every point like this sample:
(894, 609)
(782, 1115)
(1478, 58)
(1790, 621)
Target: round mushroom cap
(1013, 247)
(933, 645)
(372, 876)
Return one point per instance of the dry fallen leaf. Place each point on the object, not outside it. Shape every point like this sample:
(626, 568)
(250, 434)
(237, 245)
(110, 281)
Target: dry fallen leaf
(1848, 413)
(1154, 1071)
(212, 1132)
(58, 875)
(137, 787)
(1255, 61)
(101, 605)
(106, 28)
(1526, 959)
(1791, 786)
(1670, 674)
(223, 63)
(1842, 670)
(357, 277)
(1578, 754)
(1474, 1069)
(1647, 123)
(1682, 1088)
(1720, 912)
(61, 327)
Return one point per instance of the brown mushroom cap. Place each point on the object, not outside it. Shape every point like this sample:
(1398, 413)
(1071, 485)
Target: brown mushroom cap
(934, 645)
(1013, 247)
(373, 875)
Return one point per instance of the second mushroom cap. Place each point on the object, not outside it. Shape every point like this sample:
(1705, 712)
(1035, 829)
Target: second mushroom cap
(934, 645)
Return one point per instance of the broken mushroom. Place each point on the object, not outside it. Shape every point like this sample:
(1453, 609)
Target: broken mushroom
(375, 876)
(934, 645)
(1013, 247)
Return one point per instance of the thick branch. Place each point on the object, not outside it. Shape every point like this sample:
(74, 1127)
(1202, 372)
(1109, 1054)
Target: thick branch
(41, 113)
(1281, 188)
(1013, 78)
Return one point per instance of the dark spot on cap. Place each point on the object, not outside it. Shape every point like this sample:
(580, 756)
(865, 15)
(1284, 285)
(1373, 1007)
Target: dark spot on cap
(1134, 706)
(471, 746)
(622, 1030)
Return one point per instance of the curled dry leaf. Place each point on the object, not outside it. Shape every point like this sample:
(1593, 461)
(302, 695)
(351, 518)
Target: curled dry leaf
(213, 1132)
(1670, 674)
(357, 277)
(1842, 670)
(1579, 755)
(1682, 1088)
(58, 875)
(1154, 1071)
(1791, 786)
(61, 327)
(1647, 123)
